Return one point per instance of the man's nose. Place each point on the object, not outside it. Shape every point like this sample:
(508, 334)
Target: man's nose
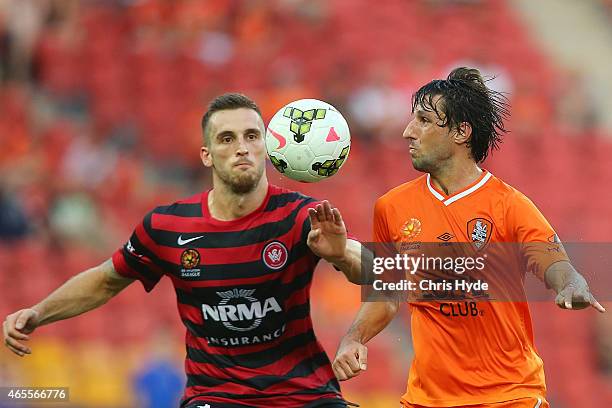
(243, 148)
(409, 131)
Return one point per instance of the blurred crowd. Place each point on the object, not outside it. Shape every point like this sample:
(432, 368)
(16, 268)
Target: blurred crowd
(100, 105)
(101, 99)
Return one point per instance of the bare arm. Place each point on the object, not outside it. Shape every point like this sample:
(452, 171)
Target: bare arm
(350, 263)
(81, 293)
(572, 289)
(328, 239)
(352, 354)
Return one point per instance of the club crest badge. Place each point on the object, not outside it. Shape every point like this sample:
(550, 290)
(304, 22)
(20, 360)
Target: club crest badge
(479, 230)
(275, 255)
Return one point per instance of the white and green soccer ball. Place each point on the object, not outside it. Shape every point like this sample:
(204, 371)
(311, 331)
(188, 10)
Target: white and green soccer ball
(308, 140)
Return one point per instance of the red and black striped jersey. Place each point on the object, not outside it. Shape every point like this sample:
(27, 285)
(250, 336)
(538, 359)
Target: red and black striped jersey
(242, 288)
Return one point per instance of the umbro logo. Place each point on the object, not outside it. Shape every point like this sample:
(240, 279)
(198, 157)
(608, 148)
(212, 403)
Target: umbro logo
(447, 236)
(182, 241)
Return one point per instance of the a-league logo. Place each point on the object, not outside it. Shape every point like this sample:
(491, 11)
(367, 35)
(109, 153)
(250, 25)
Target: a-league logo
(410, 229)
(190, 258)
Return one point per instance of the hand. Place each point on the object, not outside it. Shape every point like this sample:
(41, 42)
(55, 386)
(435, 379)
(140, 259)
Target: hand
(576, 295)
(351, 359)
(327, 237)
(16, 328)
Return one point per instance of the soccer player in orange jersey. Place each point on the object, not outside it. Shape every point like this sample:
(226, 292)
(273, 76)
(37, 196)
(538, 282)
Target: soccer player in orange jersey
(467, 354)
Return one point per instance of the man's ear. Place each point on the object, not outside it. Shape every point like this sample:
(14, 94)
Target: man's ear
(464, 133)
(205, 156)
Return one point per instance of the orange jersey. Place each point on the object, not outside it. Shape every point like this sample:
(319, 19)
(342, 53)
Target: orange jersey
(533, 402)
(485, 354)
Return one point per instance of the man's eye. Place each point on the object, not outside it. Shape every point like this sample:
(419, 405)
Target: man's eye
(252, 136)
(227, 139)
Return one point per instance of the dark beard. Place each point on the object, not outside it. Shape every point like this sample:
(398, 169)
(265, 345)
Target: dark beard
(422, 165)
(240, 184)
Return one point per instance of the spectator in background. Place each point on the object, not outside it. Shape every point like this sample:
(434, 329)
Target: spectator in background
(497, 76)
(531, 110)
(377, 108)
(13, 222)
(74, 216)
(574, 104)
(159, 383)
(23, 21)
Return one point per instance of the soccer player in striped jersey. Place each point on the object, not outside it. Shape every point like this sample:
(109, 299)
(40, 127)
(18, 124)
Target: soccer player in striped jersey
(471, 354)
(241, 257)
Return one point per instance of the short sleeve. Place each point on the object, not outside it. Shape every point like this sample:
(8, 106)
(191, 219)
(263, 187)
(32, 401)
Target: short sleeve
(538, 241)
(137, 259)
(383, 246)
(380, 228)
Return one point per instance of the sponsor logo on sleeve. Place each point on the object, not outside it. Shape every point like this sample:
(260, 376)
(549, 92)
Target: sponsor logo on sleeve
(555, 244)
(130, 248)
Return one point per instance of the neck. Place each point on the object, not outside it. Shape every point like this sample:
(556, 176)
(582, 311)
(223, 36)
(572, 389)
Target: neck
(225, 205)
(455, 176)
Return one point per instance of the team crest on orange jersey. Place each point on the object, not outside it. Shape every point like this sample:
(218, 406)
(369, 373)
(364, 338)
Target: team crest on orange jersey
(410, 229)
(479, 231)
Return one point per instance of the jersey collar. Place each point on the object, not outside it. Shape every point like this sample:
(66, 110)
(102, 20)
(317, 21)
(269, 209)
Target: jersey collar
(447, 200)
(237, 221)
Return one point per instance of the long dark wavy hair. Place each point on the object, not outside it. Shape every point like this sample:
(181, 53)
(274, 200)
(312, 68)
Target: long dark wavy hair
(466, 98)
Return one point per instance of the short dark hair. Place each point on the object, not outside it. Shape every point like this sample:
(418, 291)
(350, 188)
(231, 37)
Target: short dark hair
(466, 98)
(226, 101)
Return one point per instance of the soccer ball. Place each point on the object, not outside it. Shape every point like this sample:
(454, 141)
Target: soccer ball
(308, 140)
